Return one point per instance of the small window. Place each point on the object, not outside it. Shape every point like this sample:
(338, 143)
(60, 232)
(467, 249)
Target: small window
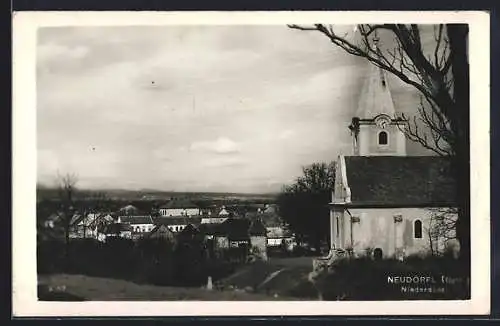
(382, 138)
(417, 229)
(338, 226)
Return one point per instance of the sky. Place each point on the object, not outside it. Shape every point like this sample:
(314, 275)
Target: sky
(194, 108)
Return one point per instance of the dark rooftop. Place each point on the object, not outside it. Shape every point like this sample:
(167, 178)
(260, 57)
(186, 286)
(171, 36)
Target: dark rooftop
(257, 228)
(177, 220)
(235, 229)
(116, 228)
(136, 219)
(400, 180)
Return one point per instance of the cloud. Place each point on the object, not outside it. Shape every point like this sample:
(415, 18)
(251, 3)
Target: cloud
(285, 134)
(225, 162)
(57, 52)
(220, 146)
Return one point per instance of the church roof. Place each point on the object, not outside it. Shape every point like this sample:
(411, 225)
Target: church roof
(400, 180)
(375, 98)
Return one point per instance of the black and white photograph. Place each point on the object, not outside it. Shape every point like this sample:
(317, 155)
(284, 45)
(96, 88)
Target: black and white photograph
(282, 162)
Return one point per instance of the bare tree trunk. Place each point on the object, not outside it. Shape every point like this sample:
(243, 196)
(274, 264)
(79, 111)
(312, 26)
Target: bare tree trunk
(66, 245)
(457, 34)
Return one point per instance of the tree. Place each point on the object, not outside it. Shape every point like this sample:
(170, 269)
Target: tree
(441, 229)
(304, 204)
(66, 186)
(440, 74)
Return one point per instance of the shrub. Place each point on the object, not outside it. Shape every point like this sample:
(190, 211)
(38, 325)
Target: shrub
(151, 261)
(367, 279)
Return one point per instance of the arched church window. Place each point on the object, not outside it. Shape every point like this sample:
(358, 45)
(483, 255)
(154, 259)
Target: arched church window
(337, 219)
(417, 229)
(382, 138)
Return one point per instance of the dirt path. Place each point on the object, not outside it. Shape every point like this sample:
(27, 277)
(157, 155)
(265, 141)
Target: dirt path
(270, 277)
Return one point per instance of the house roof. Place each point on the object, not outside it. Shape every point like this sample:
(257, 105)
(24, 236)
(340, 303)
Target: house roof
(400, 180)
(161, 231)
(234, 229)
(278, 232)
(257, 228)
(177, 220)
(209, 228)
(214, 220)
(190, 229)
(136, 219)
(179, 203)
(116, 228)
(223, 212)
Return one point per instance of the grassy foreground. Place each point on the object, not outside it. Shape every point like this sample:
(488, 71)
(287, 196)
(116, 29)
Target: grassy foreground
(105, 289)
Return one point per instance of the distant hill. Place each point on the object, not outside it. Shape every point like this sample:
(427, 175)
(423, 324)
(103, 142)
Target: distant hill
(44, 192)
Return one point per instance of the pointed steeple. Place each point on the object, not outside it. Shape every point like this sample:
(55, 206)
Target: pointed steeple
(375, 96)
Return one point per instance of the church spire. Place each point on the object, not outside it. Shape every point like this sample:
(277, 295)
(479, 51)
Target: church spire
(376, 98)
(374, 128)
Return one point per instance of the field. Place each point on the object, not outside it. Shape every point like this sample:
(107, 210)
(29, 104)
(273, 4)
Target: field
(291, 274)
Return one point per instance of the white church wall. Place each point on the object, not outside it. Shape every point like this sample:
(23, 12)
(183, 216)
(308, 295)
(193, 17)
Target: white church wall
(379, 228)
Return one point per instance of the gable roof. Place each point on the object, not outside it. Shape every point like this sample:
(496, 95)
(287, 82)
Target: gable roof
(234, 229)
(209, 228)
(161, 231)
(400, 180)
(136, 219)
(257, 228)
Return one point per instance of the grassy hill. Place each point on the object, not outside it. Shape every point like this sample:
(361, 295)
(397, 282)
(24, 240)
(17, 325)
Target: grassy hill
(80, 287)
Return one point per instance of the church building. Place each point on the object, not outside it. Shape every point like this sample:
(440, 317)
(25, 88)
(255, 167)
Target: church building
(385, 203)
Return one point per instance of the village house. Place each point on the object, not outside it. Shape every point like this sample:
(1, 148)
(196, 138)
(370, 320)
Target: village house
(179, 207)
(384, 202)
(277, 235)
(237, 233)
(138, 224)
(86, 226)
(114, 230)
(162, 232)
(177, 223)
(219, 217)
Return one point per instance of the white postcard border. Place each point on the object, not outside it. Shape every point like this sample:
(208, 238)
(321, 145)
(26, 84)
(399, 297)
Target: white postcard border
(25, 302)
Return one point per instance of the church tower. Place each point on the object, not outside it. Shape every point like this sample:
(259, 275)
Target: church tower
(375, 129)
